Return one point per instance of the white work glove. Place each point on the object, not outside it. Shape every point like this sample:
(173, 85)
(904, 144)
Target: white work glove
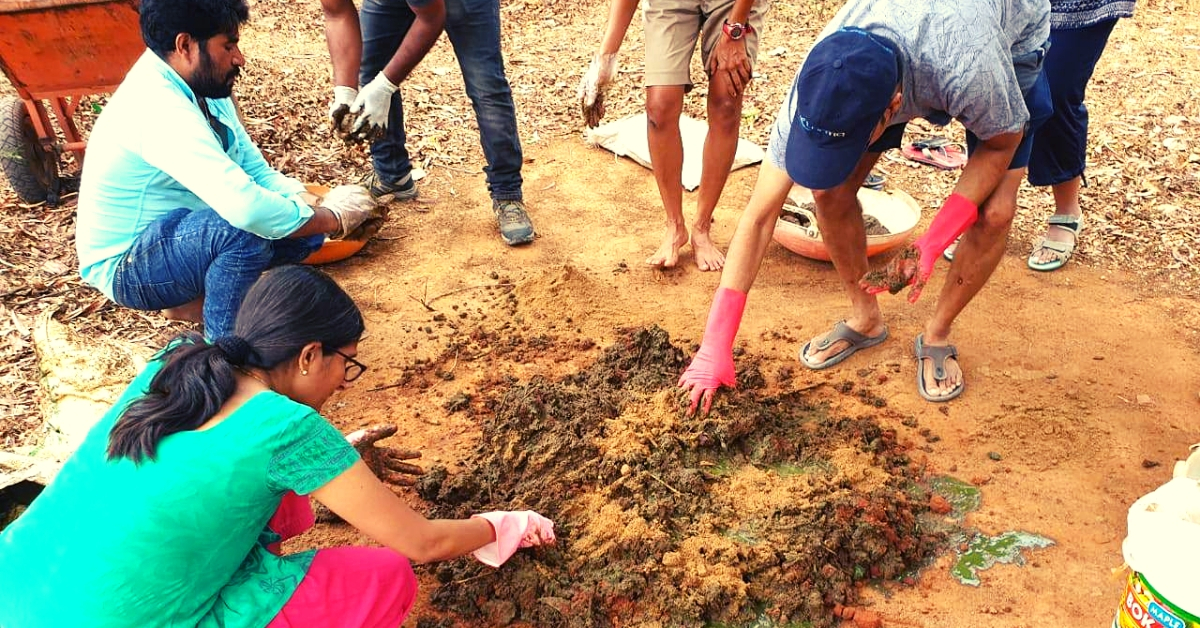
(372, 106)
(513, 530)
(352, 205)
(600, 73)
(339, 109)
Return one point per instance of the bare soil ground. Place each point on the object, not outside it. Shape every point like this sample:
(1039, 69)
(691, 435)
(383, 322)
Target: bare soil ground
(1077, 380)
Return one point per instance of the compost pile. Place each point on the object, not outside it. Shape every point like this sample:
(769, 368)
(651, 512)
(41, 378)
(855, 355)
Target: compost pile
(767, 507)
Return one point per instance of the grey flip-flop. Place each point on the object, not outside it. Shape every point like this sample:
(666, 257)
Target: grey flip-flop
(841, 331)
(939, 356)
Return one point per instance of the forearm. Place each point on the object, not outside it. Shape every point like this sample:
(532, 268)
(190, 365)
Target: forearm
(451, 538)
(741, 11)
(986, 167)
(344, 38)
(620, 14)
(322, 221)
(417, 42)
(755, 229)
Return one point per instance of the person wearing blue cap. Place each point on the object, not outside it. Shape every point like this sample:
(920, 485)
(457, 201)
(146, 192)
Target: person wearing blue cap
(877, 65)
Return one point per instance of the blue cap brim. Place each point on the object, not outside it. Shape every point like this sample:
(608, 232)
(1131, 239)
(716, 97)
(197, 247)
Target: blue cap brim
(820, 167)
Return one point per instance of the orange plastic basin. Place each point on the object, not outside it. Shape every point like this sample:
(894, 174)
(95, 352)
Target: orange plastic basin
(332, 250)
(895, 209)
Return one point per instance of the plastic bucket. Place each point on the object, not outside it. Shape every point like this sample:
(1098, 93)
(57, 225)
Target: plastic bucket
(1143, 607)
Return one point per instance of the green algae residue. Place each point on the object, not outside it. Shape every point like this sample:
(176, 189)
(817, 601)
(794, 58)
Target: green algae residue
(984, 551)
(963, 497)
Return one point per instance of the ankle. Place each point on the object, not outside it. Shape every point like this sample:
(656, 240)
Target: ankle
(936, 335)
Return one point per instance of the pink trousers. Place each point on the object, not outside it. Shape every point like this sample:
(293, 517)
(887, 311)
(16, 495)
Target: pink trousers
(345, 587)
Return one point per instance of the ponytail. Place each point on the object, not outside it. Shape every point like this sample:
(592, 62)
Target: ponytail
(286, 309)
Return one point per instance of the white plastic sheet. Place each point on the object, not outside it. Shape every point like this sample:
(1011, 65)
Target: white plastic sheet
(627, 138)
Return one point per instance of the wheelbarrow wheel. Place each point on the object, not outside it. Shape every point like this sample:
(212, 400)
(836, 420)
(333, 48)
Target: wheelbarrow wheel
(21, 155)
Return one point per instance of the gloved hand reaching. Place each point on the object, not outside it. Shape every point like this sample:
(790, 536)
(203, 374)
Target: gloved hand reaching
(600, 73)
(513, 530)
(712, 367)
(914, 265)
(352, 205)
(339, 109)
(372, 106)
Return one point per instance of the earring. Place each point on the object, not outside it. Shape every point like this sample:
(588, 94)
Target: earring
(304, 372)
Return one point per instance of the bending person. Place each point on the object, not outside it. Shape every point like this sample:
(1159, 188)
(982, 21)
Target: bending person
(172, 510)
(876, 66)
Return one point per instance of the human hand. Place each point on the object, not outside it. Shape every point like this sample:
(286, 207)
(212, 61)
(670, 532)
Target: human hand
(514, 530)
(387, 463)
(366, 231)
(729, 57)
(353, 206)
(712, 366)
(710, 369)
(372, 106)
(339, 109)
(591, 87)
(910, 267)
(914, 265)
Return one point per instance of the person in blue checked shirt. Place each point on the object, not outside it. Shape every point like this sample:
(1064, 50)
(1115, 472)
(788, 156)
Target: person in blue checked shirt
(178, 210)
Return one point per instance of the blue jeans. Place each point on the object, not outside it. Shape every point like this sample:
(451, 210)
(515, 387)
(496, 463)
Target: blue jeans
(1060, 147)
(473, 27)
(188, 254)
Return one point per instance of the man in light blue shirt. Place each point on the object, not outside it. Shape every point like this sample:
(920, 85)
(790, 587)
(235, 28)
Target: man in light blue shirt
(178, 210)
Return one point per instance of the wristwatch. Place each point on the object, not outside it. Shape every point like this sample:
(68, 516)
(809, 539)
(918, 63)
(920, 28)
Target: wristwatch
(737, 30)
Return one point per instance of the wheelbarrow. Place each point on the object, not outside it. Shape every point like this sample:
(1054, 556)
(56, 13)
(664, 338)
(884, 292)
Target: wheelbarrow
(57, 52)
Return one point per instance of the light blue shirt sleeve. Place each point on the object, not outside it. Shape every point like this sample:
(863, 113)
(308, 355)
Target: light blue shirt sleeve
(251, 158)
(191, 153)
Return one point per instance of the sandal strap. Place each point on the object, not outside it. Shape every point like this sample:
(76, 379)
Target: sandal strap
(841, 331)
(1064, 248)
(932, 142)
(939, 356)
(1071, 223)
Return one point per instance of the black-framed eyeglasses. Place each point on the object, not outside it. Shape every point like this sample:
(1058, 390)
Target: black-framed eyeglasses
(354, 368)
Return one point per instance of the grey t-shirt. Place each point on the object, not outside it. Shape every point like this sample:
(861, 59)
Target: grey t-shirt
(968, 59)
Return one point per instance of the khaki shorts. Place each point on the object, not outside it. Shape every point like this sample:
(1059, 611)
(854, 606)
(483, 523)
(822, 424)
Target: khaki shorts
(672, 27)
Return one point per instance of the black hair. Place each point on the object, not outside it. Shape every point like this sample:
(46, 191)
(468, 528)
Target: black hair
(286, 309)
(163, 20)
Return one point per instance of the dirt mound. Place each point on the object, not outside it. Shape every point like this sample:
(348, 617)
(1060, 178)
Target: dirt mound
(768, 507)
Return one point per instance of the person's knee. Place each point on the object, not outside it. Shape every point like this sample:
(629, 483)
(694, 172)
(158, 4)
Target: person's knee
(248, 246)
(404, 595)
(833, 202)
(724, 112)
(662, 113)
(998, 213)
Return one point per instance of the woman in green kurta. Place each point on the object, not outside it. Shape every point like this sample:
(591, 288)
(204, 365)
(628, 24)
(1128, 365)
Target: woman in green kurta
(171, 511)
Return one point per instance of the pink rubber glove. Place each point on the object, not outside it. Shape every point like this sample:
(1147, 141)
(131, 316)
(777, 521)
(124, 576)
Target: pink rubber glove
(513, 530)
(712, 366)
(914, 265)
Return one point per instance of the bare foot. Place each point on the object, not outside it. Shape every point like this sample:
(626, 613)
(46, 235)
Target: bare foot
(938, 388)
(667, 255)
(708, 256)
(867, 327)
(192, 312)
